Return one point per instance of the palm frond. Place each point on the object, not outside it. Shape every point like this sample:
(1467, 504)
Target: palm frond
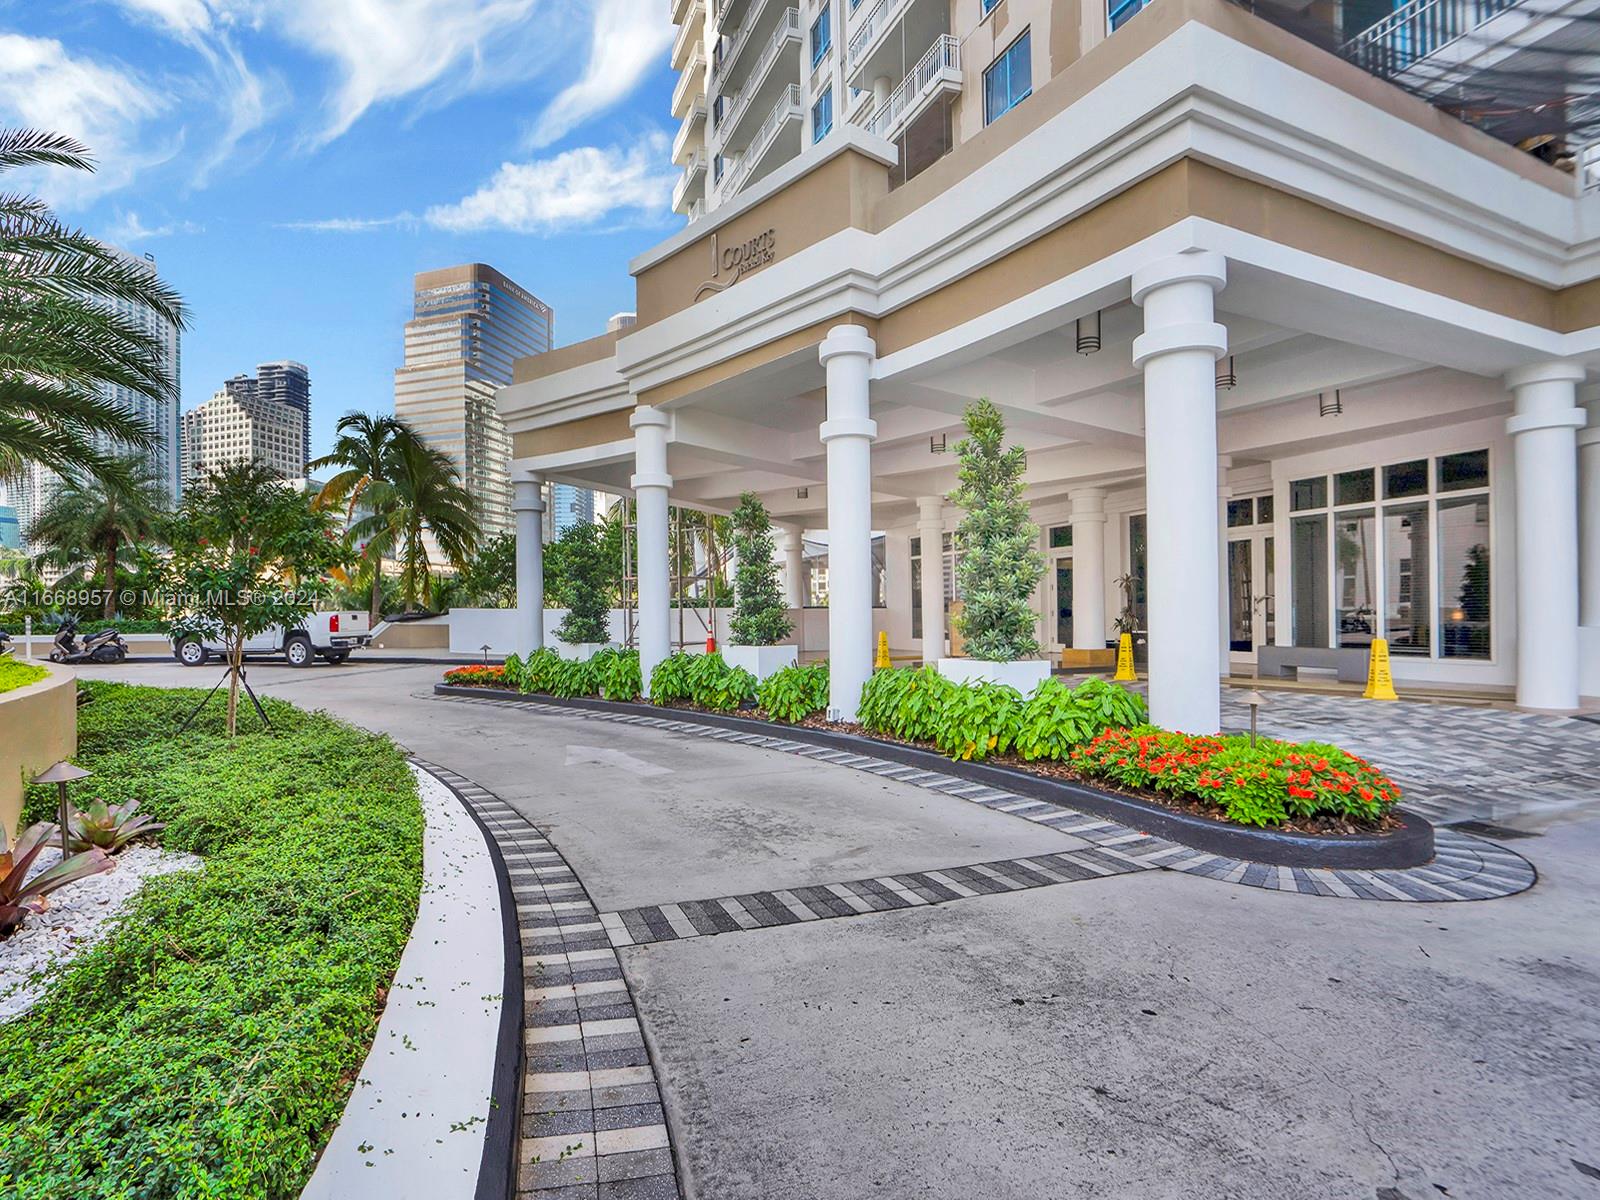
(39, 148)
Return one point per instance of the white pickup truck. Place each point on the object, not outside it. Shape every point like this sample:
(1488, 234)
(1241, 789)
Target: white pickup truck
(330, 635)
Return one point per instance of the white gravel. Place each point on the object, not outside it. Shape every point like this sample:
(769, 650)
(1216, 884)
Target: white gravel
(78, 916)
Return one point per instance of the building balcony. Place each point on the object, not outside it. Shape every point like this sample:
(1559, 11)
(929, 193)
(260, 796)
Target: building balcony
(691, 82)
(775, 68)
(937, 74)
(1418, 30)
(730, 62)
(777, 140)
(679, 9)
(691, 134)
(690, 31)
(692, 187)
(878, 40)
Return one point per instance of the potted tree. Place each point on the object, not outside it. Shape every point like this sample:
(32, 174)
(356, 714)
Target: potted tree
(1002, 564)
(760, 621)
(586, 628)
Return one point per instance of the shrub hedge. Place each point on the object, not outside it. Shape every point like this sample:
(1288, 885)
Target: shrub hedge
(207, 1046)
(794, 693)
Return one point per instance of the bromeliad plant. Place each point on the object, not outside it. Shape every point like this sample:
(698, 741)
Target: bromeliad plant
(108, 827)
(20, 895)
(794, 693)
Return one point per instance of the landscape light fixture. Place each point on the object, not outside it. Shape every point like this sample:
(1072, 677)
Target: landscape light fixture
(1227, 377)
(485, 649)
(938, 443)
(61, 774)
(1330, 408)
(1086, 332)
(1255, 700)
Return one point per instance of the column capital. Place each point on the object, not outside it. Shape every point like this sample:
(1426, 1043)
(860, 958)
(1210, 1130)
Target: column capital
(1552, 418)
(845, 427)
(649, 479)
(1557, 371)
(1191, 266)
(1188, 335)
(527, 495)
(1088, 505)
(930, 509)
(847, 340)
(645, 416)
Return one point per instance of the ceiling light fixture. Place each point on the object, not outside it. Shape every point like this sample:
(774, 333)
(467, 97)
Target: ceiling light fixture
(1327, 407)
(1227, 377)
(1087, 333)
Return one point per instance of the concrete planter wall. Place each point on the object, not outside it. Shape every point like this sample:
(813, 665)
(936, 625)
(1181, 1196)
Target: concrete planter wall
(581, 651)
(38, 726)
(761, 661)
(1024, 674)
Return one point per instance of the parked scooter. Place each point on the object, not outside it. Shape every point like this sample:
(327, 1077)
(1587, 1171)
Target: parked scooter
(106, 646)
(5, 643)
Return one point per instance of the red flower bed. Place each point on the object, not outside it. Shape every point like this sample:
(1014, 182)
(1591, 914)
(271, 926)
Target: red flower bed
(477, 675)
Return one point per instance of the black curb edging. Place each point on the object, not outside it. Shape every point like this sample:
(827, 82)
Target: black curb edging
(497, 1171)
(1409, 846)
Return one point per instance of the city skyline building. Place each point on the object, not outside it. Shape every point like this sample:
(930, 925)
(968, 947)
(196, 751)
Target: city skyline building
(239, 425)
(469, 324)
(570, 506)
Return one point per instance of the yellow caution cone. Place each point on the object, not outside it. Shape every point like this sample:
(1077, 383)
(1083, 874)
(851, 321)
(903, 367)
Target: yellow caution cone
(882, 660)
(1125, 673)
(1380, 684)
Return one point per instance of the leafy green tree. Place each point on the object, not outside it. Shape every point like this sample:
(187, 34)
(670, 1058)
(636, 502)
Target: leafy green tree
(248, 554)
(63, 339)
(588, 586)
(1002, 565)
(490, 579)
(759, 615)
(402, 495)
(88, 520)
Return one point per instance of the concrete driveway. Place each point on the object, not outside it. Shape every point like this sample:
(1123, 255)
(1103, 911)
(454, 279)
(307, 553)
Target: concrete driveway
(1146, 1035)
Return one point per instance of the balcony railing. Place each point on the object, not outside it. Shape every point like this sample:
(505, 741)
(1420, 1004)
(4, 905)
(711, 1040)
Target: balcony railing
(787, 108)
(694, 171)
(1417, 30)
(689, 29)
(696, 116)
(736, 42)
(787, 30)
(867, 33)
(691, 81)
(940, 65)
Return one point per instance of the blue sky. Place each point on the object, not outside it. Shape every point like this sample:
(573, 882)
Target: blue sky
(292, 163)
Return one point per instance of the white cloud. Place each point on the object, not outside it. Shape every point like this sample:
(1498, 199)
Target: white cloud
(44, 87)
(576, 188)
(350, 224)
(128, 230)
(628, 37)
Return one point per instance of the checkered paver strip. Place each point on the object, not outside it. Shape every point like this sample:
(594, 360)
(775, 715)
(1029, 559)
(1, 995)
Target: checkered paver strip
(592, 1121)
(1465, 868)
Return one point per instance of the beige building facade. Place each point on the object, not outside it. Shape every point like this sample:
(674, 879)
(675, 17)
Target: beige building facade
(1298, 359)
(239, 426)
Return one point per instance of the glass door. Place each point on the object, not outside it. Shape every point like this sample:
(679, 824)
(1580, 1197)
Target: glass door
(1063, 631)
(1241, 596)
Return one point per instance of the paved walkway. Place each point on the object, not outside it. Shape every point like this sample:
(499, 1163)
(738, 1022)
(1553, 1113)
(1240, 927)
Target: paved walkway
(1145, 1034)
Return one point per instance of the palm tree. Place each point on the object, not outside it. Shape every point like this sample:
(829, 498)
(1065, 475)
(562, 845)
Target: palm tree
(409, 493)
(88, 520)
(62, 339)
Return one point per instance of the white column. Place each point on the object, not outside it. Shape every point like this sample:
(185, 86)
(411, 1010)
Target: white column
(1589, 513)
(527, 502)
(847, 353)
(881, 86)
(650, 485)
(1088, 568)
(792, 544)
(930, 528)
(1544, 444)
(1224, 494)
(1178, 353)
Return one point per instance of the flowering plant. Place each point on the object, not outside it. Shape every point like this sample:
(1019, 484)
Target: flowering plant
(1264, 784)
(476, 675)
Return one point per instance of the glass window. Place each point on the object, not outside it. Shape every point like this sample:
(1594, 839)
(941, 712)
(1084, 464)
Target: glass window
(1009, 79)
(1308, 493)
(1406, 479)
(988, 6)
(1118, 11)
(822, 115)
(1308, 537)
(1464, 577)
(1263, 510)
(1060, 536)
(1353, 487)
(1138, 571)
(821, 34)
(916, 592)
(916, 547)
(1407, 614)
(1355, 534)
(716, 169)
(1469, 470)
(1241, 512)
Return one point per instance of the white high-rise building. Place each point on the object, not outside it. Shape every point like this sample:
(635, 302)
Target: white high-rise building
(237, 425)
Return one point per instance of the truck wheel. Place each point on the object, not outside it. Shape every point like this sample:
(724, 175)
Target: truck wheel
(192, 653)
(298, 652)
(337, 657)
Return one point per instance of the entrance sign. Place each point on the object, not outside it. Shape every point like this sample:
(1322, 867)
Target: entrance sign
(1125, 672)
(1380, 684)
(737, 261)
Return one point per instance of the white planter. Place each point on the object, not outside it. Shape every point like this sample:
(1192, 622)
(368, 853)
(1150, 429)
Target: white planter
(761, 661)
(1025, 674)
(581, 651)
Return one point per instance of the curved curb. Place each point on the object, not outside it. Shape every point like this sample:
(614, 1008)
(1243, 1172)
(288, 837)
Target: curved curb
(1410, 846)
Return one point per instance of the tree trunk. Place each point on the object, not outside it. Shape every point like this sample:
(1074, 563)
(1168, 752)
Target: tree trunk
(111, 581)
(235, 664)
(375, 604)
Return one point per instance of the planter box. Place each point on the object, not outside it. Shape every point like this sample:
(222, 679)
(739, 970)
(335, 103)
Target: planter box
(580, 651)
(761, 661)
(40, 724)
(1088, 658)
(1024, 674)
